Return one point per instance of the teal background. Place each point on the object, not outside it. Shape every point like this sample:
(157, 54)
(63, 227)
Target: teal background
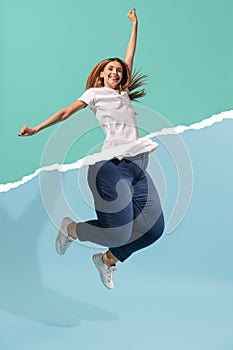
(49, 47)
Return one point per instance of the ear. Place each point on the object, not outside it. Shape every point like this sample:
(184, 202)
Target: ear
(101, 74)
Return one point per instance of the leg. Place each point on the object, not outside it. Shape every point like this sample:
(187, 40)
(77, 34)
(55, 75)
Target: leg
(112, 194)
(148, 213)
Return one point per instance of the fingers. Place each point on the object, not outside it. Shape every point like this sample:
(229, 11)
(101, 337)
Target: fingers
(22, 131)
(25, 131)
(133, 11)
(132, 14)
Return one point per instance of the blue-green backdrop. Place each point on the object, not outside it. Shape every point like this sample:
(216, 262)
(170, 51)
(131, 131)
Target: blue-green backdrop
(48, 48)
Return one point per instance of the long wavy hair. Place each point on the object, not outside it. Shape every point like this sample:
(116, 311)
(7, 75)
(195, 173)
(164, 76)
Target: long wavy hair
(130, 81)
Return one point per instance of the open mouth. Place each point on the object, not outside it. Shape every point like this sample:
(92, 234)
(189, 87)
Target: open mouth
(114, 78)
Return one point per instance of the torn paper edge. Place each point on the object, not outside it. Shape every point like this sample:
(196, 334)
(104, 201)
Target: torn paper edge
(108, 154)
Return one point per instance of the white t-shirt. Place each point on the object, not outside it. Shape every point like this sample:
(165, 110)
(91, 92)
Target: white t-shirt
(116, 115)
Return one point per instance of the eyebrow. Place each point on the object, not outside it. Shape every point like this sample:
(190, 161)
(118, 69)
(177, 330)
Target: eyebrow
(113, 67)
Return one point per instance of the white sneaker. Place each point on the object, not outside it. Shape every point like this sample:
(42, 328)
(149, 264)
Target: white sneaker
(106, 273)
(63, 241)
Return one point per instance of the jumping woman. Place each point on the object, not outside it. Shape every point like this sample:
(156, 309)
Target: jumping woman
(127, 205)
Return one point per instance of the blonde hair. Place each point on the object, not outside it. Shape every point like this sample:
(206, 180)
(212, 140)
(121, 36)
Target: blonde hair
(129, 81)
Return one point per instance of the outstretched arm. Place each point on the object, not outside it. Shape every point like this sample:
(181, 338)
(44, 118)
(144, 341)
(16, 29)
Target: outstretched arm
(130, 51)
(57, 117)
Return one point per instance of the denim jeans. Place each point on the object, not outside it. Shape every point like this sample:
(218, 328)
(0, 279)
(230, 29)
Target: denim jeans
(127, 205)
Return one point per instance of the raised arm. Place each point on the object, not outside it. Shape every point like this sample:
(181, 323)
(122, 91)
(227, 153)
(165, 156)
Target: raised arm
(57, 117)
(130, 50)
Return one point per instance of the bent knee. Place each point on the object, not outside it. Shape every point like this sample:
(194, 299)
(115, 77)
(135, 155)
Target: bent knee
(158, 228)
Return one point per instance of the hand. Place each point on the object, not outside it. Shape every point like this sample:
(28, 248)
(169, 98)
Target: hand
(26, 131)
(132, 16)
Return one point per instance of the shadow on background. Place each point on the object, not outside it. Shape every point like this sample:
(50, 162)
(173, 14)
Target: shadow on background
(22, 292)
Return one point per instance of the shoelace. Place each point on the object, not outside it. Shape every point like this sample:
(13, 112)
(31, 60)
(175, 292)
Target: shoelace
(109, 272)
(64, 243)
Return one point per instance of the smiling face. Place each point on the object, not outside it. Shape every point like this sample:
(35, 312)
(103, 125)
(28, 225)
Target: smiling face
(112, 74)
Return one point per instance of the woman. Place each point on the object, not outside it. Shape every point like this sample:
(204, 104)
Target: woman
(129, 213)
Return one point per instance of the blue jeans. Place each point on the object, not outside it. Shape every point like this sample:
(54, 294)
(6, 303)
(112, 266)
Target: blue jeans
(128, 209)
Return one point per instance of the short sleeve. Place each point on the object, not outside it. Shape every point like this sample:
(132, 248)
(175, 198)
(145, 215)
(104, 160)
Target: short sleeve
(88, 97)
